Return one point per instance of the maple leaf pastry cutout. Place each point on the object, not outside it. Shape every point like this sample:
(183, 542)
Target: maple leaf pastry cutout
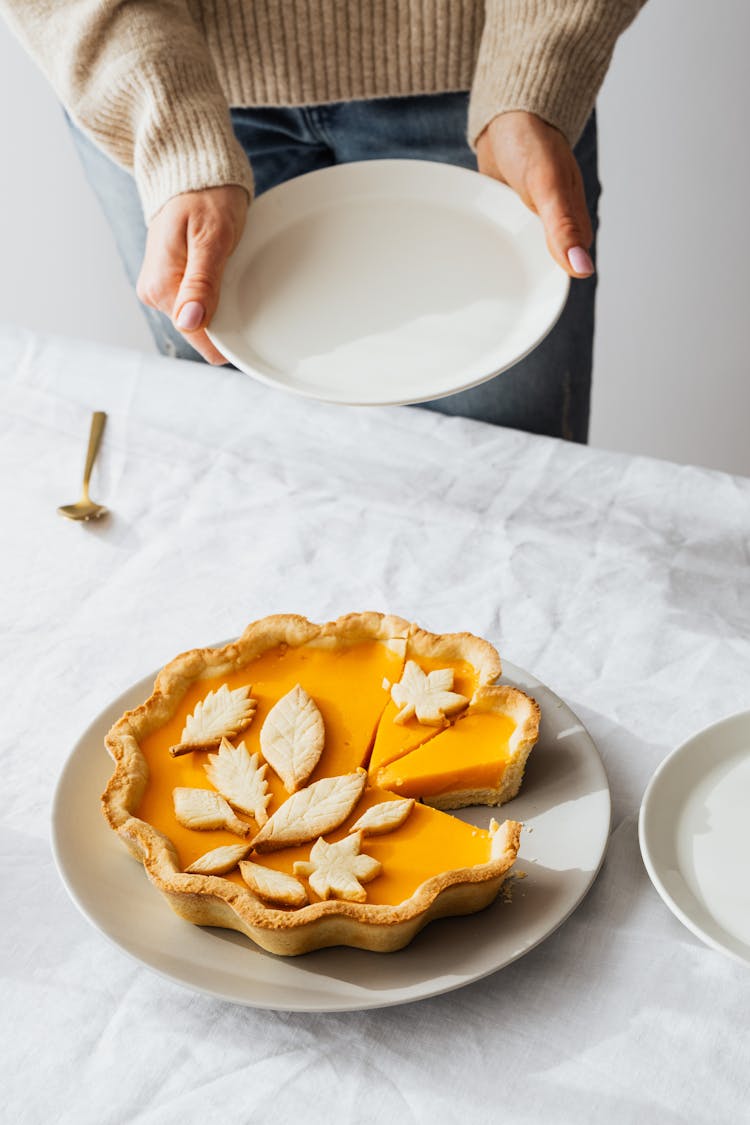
(428, 695)
(337, 870)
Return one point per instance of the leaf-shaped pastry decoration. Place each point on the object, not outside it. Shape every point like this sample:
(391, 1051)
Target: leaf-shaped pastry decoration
(336, 870)
(204, 809)
(239, 776)
(320, 808)
(221, 714)
(292, 738)
(219, 861)
(273, 886)
(428, 695)
(384, 817)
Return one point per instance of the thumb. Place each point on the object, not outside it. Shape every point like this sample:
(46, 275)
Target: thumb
(537, 162)
(199, 290)
(562, 208)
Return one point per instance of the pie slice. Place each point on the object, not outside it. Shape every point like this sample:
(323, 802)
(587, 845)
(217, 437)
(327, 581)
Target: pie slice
(479, 760)
(426, 846)
(474, 664)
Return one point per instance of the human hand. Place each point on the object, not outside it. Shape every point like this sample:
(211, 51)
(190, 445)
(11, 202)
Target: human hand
(535, 159)
(189, 241)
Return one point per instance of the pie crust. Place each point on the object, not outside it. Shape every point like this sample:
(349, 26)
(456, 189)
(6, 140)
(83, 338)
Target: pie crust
(226, 901)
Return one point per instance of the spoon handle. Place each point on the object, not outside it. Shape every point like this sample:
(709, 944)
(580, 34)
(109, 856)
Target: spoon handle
(95, 436)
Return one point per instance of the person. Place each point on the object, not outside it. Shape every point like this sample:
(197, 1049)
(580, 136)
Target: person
(184, 110)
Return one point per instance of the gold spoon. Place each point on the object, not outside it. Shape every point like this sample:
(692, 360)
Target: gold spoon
(85, 508)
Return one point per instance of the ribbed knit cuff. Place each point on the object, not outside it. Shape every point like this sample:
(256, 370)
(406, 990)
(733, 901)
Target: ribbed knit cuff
(547, 57)
(167, 120)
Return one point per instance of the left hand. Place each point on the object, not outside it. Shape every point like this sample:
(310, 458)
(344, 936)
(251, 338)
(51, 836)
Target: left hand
(535, 159)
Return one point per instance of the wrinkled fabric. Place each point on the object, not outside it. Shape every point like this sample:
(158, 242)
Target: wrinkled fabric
(621, 582)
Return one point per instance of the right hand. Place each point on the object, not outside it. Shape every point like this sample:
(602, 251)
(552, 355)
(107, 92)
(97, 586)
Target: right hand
(535, 159)
(188, 244)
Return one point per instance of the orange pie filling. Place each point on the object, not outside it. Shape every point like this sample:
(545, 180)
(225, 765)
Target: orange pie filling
(473, 754)
(462, 757)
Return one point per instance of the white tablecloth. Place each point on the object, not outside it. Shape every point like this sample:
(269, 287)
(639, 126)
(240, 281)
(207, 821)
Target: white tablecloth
(620, 582)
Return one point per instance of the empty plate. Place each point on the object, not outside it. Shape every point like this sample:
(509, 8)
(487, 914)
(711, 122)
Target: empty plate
(694, 833)
(386, 282)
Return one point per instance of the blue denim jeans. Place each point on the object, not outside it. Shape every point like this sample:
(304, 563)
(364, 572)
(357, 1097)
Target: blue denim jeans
(548, 392)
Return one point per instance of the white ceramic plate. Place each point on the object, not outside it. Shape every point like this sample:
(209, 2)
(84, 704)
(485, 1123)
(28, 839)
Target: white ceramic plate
(565, 785)
(386, 281)
(694, 831)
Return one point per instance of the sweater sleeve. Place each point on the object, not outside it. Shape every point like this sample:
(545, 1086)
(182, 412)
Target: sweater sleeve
(137, 77)
(548, 57)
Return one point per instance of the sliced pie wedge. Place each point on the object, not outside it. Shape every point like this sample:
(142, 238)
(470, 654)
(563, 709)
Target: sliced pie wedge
(479, 760)
(474, 664)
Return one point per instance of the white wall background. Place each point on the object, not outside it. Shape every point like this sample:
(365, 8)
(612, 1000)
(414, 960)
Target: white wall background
(672, 355)
(672, 373)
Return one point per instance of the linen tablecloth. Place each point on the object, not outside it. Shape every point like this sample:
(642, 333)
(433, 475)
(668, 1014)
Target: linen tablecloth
(620, 582)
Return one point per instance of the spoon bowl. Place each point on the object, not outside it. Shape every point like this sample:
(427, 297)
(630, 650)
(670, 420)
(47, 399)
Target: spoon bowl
(85, 508)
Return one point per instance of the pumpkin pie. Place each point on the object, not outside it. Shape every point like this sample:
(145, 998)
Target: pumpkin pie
(293, 785)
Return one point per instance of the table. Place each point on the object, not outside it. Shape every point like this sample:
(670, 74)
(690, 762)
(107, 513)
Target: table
(621, 582)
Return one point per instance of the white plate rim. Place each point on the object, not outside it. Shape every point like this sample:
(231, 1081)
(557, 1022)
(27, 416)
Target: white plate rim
(397, 996)
(650, 800)
(264, 374)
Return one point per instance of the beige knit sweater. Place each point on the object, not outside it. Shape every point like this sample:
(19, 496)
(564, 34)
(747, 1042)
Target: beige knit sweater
(150, 81)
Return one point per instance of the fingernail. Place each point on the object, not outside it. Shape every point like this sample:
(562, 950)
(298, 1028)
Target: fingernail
(579, 260)
(190, 316)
